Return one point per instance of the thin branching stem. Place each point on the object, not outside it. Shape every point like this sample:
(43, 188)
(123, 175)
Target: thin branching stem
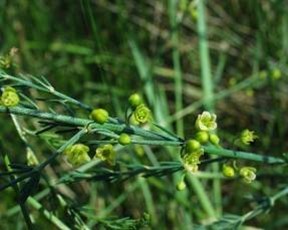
(157, 139)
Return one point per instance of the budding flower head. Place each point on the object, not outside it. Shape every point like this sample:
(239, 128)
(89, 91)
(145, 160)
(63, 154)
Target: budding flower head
(248, 174)
(9, 97)
(214, 139)
(99, 115)
(202, 137)
(191, 160)
(247, 136)
(142, 114)
(135, 100)
(181, 185)
(106, 153)
(124, 139)
(192, 145)
(263, 74)
(276, 74)
(228, 171)
(77, 154)
(206, 121)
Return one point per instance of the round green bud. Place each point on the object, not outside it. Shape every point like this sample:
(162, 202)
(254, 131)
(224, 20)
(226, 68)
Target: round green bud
(228, 171)
(99, 115)
(139, 150)
(192, 145)
(9, 97)
(276, 74)
(181, 186)
(214, 139)
(10, 89)
(124, 139)
(202, 137)
(135, 100)
(263, 74)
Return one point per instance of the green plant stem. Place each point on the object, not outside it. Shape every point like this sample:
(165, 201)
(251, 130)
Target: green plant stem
(280, 194)
(173, 4)
(202, 195)
(265, 205)
(40, 167)
(45, 88)
(247, 83)
(243, 155)
(49, 215)
(119, 128)
(16, 189)
(207, 85)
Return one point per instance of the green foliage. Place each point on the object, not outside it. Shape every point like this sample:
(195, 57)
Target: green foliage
(183, 57)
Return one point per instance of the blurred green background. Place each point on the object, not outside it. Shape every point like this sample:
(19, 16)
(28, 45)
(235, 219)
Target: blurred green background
(102, 51)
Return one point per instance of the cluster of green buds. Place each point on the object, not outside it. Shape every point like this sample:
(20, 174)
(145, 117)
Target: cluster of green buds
(275, 74)
(248, 174)
(77, 154)
(141, 113)
(205, 125)
(9, 97)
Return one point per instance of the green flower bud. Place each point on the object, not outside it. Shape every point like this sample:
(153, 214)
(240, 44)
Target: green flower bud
(106, 153)
(139, 150)
(181, 186)
(99, 115)
(124, 139)
(135, 100)
(10, 97)
(142, 114)
(214, 139)
(194, 14)
(248, 174)
(263, 74)
(228, 171)
(276, 74)
(202, 137)
(192, 145)
(77, 154)
(206, 121)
